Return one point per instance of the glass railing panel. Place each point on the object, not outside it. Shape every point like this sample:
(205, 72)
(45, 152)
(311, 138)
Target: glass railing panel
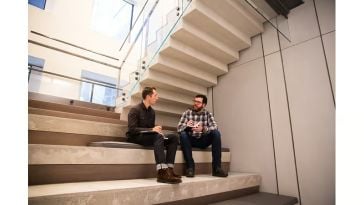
(157, 25)
(54, 84)
(172, 18)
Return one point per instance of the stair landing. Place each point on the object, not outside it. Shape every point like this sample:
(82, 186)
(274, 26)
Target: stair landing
(141, 191)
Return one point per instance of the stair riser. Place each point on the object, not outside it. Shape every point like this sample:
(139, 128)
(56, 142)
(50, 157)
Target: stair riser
(63, 173)
(216, 197)
(48, 154)
(186, 72)
(178, 50)
(171, 83)
(65, 125)
(39, 111)
(58, 138)
(200, 17)
(204, 45)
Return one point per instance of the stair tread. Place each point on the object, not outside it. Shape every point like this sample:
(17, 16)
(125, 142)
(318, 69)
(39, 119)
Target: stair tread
(71, 109)
(79, 116)
(261, 198)
(66, 101)
(117, 185)
(115, 144)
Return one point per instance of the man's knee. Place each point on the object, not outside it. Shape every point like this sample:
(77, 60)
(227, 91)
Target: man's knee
(183, 135)
(215, 133)
(173, 138)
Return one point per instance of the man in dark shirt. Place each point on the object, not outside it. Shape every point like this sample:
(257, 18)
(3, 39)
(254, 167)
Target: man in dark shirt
(142, 130)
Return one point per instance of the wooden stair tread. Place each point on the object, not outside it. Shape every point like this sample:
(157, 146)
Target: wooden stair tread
(79, 116)
(66, 101)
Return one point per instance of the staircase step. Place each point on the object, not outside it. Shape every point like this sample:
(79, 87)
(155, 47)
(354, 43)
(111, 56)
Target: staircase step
(198, 38)
(183, 70)
(76, 126)
(61, 163)
(237, 15)
(183, 52)
(39, 111)
(261, 198)
(169, 96)
(143, 191)
(59, 138)
(203, 17)
(72, 109)
(171, 83)
(32, 96)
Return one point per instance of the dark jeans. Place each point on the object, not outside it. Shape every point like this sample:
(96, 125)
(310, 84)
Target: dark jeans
(159, 145)
(212, 138)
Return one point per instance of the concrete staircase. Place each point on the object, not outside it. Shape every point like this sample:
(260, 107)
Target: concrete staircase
(205, 40)
(82, 145)
(78, 155)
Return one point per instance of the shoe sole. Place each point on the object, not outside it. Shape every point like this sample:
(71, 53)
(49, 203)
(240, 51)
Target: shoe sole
(168, 182)
(219, 175)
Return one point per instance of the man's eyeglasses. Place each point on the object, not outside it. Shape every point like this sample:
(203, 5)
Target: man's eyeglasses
(197, 102)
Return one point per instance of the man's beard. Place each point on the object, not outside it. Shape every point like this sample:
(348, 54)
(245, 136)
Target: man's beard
(197, 109)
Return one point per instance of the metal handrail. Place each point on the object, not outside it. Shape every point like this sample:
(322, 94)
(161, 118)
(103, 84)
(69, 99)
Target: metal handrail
(30, 67)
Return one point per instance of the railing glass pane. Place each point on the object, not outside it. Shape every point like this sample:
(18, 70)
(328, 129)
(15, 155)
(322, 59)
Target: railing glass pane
(158, 22)
(77, 89)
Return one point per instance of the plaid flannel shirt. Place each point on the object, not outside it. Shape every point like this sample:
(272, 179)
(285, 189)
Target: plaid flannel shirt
(204, 117)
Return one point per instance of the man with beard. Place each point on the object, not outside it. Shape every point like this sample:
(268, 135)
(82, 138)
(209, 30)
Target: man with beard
(198, 128)
(142, 130)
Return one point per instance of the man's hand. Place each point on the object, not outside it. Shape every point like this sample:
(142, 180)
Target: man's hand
(157, 128)
(198, 128)
(190, 123)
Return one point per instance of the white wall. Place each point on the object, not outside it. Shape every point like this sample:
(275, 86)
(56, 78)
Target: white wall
(279, 117)
(70, 21)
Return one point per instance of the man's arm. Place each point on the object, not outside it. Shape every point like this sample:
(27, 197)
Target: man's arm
(133, 119)
(182, 125)
(211, 123)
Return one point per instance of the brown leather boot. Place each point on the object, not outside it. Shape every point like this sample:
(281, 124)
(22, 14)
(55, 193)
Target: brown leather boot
(174, 174)
(164, 176)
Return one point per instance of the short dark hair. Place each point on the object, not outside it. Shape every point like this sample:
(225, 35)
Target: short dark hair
(147, 91)
(204, 98)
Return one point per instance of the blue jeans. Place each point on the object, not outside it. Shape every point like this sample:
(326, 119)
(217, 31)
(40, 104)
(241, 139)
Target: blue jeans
(212, 138)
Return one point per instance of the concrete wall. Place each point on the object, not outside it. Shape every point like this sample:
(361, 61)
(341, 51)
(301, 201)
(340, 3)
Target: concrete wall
(279, 117)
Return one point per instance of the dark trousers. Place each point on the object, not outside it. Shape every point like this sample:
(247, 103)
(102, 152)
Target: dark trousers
(212, 138)
(159, 144)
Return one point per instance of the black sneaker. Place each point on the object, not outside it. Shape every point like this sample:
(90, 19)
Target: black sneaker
(190, 172)
(218, 172)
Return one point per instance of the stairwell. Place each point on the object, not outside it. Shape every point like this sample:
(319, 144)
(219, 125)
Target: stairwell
(78, 153)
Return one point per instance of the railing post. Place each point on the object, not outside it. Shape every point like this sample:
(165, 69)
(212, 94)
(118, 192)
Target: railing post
(92, 92)
(29, 74)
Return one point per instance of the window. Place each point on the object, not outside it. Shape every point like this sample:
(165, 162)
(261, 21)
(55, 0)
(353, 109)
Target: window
(104, 92)
(112, 17)
(38, 3)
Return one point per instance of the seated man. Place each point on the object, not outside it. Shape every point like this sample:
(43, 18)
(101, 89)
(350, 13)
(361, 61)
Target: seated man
(142, 130)
(198, 128)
